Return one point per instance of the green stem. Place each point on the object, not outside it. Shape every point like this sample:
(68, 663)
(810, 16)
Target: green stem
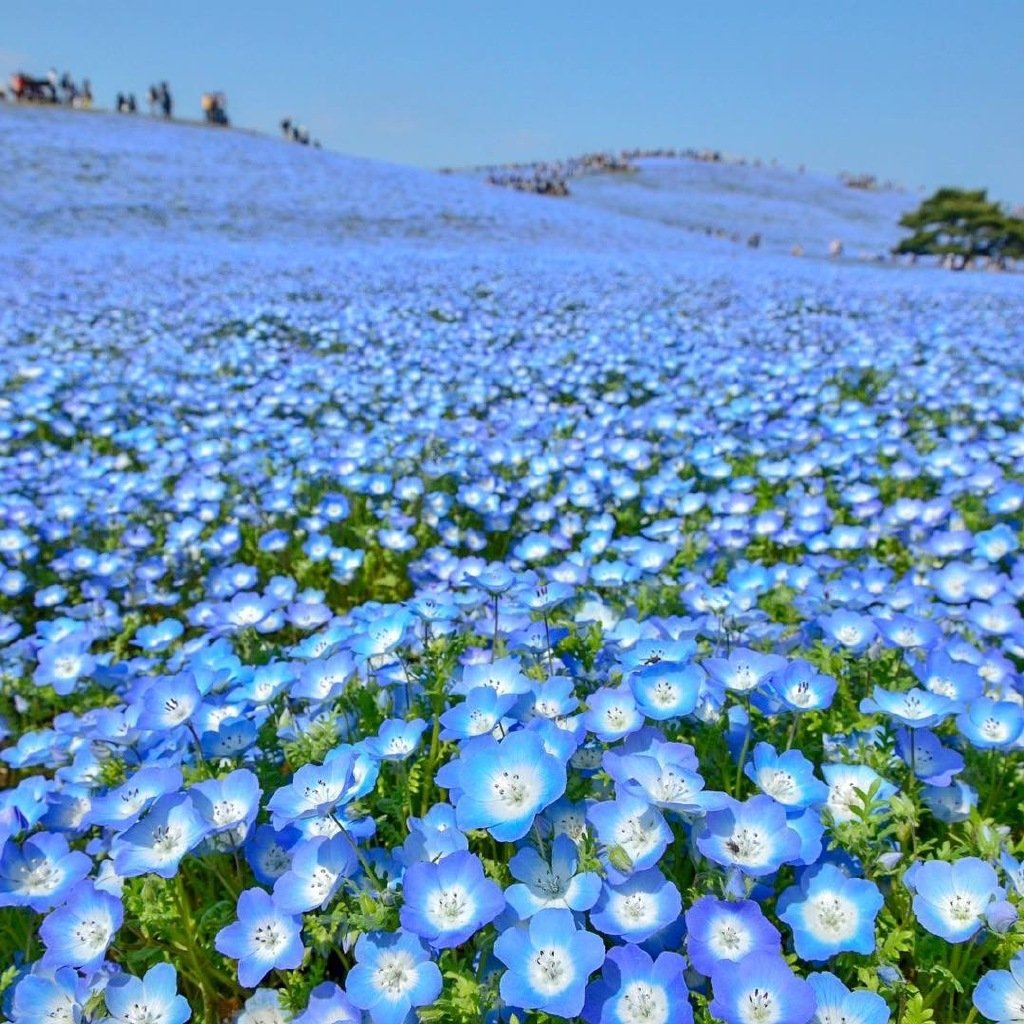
(200, 978)
(743, 753)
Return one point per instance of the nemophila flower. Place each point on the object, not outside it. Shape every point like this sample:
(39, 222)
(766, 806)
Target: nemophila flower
(393, 973)
(503, 786)
(848, 785)
(228, 806)
(159, 636)
(503, 676)
(324, 679)
(633, 833)
(753, 836)
(914, 709)
(264, 1006)
(760, 989)
(744, 670)
(830, 913)
(932, 762)
(836, 1004)
(637, 908)
(908, 633)
(318, 867)
(958, 680)
(433, 836)
(1000, 994)
(79, 933)
(665, 691)
(663, 776)
(549, 962)
(383, 635)
(328, 1004)
(39, 873)
(396, 739)
(478, 715)
(152, 999)
(848, 630)
(62, 664)
(991, 724)
(542, 884)
(317, 790)
(448, 902)
(950, 803)
(556, 698)
(950, 899)
(263, 937)
(612, 714)
(50, 998)
(169, 702)
(801, 687)
(634, 989)
(718, 930)
(787, 778)
(157, 843)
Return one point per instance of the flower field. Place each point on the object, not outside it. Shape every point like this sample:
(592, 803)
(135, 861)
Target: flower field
(420, 602)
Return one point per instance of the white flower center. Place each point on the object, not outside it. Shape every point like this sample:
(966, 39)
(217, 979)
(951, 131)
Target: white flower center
(641, 1003)
(759, 1007)
(395, 974)
(551, 971)
(832, 916)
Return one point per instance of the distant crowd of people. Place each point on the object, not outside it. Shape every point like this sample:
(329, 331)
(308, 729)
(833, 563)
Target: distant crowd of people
(62, 89)
(53, 88)
(292, 132)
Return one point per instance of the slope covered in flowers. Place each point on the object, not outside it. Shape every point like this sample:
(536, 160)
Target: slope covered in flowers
(424, 601)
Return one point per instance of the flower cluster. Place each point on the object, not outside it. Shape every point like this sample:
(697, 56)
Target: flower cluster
(635, 643)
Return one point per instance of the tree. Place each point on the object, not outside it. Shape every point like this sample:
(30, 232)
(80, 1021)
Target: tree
(965, 225)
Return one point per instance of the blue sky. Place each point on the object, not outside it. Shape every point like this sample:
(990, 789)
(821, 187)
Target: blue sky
(925, 93)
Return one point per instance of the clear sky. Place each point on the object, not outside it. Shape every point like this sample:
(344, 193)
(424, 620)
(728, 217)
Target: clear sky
(925, 92)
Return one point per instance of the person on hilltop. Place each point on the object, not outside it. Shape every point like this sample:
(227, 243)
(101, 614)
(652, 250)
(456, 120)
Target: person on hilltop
(166, 100)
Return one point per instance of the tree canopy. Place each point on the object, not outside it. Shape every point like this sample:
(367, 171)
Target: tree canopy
(964, 224)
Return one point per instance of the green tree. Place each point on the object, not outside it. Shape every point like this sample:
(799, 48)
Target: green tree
(963, 224)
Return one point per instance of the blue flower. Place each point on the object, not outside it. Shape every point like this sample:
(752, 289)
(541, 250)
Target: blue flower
(933, 763)
(396, 739)
(157, 843)
(1000, 994)
(846, 783)
(228, 806)
(634, 833)
(634, 989)
(318, 867)
(79, 933)
(318, 790)
(744, 670)
(637, 908)
(612, 714)
(447, 902)
(838, 1005)
(549, 962)
(800, 687)
(393, 973)
(760, 989)
(503, 786)
(787, 778)
(830, 913)
(478, 715)
(153, 999)
(40, 873)
(718, 930)
(753, 836)
(991, 724)
(950, 900)
(914, 709)
(263, 937)
(328, 1004)
(667, 690)
(556, 884)
(47, 998)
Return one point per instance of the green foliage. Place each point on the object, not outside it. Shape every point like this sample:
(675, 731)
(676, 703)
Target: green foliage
(964, 224)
